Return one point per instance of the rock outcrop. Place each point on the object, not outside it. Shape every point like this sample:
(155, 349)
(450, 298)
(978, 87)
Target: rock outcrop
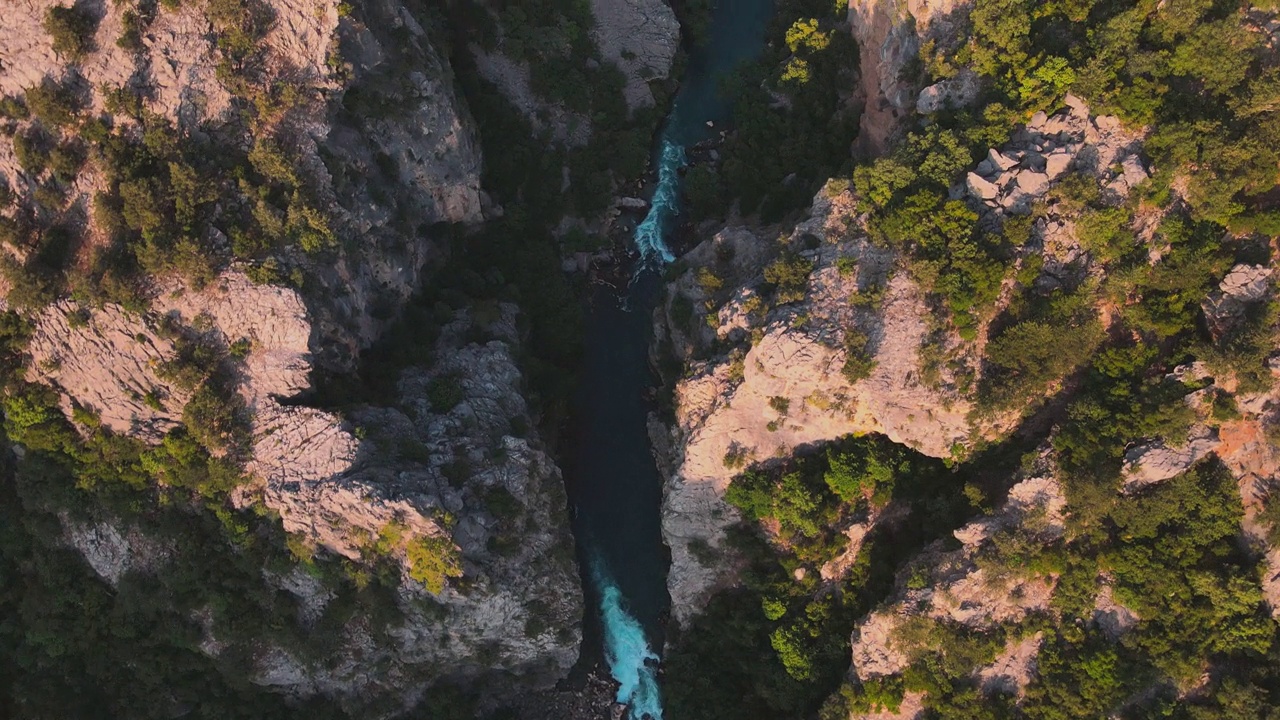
(954, 588)
(385, 178)
(641, 37)
(889, 35)
(729, 403)
(388, 151)
(748, 359)
(426, 470)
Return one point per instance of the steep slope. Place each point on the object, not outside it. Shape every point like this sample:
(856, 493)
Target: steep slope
(828, 332)
(241, 195)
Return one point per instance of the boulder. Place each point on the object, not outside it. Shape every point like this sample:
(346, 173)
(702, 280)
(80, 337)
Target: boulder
(1057, 163)
(1033, 161)
(950, 93)
(999, 160)
(1079, 107)
(1017, 202)
(1246, 283)
(981, 189)
(1033, 183)
(631, 203)
(1132, 170)
(1158, 461)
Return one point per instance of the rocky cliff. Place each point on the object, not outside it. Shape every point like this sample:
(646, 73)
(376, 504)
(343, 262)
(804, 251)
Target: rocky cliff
(372, 122)
(848, 350)
(450, 485)
(890, 34)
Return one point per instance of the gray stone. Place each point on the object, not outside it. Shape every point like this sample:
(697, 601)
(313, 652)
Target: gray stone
(1033, 183)
(980, 188)
(999, 160)
(631, 203)
(953, 92)
(1057, 163)
(1134, 173)
(641, 37)
(1159, 461)
(1079, 107)
(1033, 161)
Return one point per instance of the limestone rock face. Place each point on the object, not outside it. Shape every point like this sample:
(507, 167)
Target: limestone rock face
(1154, 462)
(390, 152)
(428, 140)
(514, 82)
(959, 591)
(729, 404)
(336, 491)
(889, 33)
(641, 37)
(1244, 286)
(953, 92)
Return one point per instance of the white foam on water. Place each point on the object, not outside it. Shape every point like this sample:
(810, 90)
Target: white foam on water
(631, 662)
(650, 233)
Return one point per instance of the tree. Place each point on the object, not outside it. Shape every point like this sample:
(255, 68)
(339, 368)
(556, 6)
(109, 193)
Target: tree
(72, 29)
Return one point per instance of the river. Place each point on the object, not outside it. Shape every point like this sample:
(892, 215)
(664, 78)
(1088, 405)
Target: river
(614, 486)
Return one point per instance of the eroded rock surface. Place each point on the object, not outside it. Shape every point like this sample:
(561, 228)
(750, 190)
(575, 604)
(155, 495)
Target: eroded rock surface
(889, 34)
(729, 403)
(641, 37)
(457, 472)
(953, 587)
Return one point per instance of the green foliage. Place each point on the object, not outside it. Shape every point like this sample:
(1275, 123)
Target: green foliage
(1171, 292)
(777, 646)
(444, 393)
(432, 560)
(867, 472)
(1243, 349)
(1080, 678)
(779, 153)
(858, 362)
(53, 103)
(1179, 570)
(1027, 357)
(13, 108)
(708, 280)
(789, 277)
(72, 29)
(704, 192)
(1126, 398)
(1105, 233)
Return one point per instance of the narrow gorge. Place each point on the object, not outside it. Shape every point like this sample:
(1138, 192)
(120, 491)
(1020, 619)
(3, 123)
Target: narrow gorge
(640, 359)
(614, 485)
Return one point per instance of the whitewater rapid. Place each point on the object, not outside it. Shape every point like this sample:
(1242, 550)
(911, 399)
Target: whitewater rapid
(652, 231)
(631, 662)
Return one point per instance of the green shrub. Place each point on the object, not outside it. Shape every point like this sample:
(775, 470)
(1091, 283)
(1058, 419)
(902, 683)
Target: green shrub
(735, 458)
(72, 29)
(32, 150)
(432, 560)
(789, 277)
(216, 417)
(54, 104)
(708, 281)
(444, 393)
(858, 363)
(13, 108)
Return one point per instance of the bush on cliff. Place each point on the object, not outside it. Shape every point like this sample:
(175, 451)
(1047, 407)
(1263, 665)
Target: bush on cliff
(72, 30)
